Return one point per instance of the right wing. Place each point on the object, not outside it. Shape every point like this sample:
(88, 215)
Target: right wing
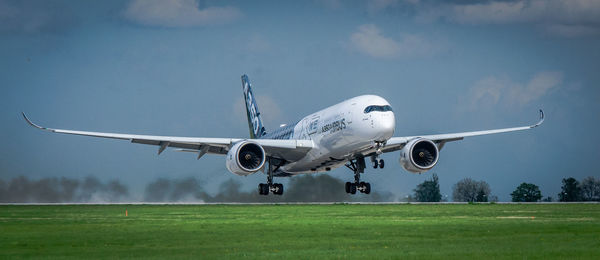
(289, 150)
(397, 143)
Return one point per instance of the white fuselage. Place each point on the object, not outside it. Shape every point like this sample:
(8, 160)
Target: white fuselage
(341, 132)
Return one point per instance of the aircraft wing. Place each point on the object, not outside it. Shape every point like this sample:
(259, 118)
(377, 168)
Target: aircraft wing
(289, 150)
(397, 143)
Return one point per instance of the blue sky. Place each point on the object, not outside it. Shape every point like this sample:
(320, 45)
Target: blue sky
(173, 68)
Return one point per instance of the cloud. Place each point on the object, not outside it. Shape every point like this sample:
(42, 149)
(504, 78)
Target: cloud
(568, 18)
(369, 40)
(488, 91)
(492, 12)
(491, 91)
(178, 13)
(541, 84)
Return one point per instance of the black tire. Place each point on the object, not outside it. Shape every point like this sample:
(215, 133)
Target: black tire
(260, 189)
(352, 188)
(348, 184)
(381, 164)
(375, 164)
(367, 188)
(279, 189)
(265, 189)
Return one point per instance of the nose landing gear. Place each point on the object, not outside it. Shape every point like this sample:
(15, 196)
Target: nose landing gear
(377, 162)
(357, 166)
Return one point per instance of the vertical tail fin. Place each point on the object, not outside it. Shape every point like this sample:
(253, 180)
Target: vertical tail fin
(254, 120)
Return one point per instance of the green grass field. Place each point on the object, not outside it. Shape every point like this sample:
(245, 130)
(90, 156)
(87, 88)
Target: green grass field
(301, 231)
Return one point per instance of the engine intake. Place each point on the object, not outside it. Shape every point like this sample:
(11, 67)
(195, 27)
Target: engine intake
(245, 158)
(419, 155)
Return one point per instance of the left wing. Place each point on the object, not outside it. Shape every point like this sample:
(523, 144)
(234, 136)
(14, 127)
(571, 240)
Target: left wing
(397, 143)
(289, 150)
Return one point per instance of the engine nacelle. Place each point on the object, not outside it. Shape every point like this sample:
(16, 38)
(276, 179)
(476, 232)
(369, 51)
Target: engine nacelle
(245, 158)
(419, 155)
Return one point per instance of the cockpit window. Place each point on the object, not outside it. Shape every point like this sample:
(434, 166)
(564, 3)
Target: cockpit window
(370, 109)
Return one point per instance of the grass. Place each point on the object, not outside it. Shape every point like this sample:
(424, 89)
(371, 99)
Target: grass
(445, 231)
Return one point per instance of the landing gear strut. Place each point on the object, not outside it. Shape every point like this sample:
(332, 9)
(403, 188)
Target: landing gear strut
(357, 166)
(265, 188)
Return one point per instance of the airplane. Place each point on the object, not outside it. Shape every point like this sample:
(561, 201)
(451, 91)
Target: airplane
(340, 135)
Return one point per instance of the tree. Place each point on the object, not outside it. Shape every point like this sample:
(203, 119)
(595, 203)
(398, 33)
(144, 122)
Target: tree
(590, 189)
(481, 196)
(429, 190)
(570, 190)
(526, 192)
(469, 190)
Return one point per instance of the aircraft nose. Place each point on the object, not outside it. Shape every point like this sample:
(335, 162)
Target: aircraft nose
(386, 124)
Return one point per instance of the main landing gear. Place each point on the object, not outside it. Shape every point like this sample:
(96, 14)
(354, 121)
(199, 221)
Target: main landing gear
(265, 188)
(357, 166)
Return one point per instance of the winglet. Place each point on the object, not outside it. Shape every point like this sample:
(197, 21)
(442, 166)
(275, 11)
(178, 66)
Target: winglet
(541, 119)
(31, 123)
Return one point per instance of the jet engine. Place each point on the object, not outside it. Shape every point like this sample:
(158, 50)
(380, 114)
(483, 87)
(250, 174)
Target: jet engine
(419, 155)
(245, 158)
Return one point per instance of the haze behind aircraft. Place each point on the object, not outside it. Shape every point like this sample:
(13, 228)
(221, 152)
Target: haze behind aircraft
(340, 135)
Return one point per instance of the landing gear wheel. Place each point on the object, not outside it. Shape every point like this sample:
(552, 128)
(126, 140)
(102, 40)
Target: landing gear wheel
(278, 189)
(367, 188)
(263, 189)
(381, 164)
(361, 186)
(357, 165)
(352, 188)
(375, 164)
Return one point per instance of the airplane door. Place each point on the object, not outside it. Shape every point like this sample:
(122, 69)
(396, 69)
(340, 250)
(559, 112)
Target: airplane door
(349, 117)
(349, 114)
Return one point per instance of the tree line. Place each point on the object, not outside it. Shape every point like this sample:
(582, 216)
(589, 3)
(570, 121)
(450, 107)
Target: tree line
(307, 188)
(469, 190)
